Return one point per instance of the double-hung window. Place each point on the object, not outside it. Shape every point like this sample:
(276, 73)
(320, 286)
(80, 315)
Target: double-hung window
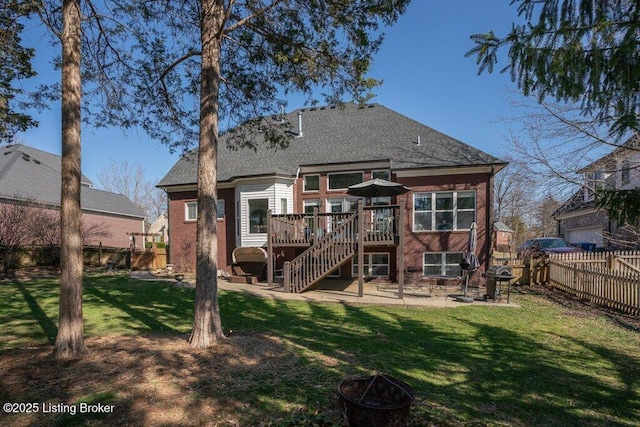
(444, 210)
(191, 211)
(442, 264)
(375, 265)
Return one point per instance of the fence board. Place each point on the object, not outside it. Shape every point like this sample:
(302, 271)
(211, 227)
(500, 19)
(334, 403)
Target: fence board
(616, 289)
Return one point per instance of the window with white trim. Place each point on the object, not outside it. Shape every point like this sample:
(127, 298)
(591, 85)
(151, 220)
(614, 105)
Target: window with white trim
(444, 210)
(311, 183)
(258, 215)
(375, 265)
(442, 264)
(383, 174)
(343, 180)
(309, 205)
(191, 211)
(220, 209)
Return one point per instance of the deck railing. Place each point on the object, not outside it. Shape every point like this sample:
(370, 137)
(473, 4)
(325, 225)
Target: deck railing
(331, 238)
(380, 224)
(327, 254)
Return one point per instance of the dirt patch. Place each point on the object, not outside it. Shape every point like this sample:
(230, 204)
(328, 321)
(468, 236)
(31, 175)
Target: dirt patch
(32, 273)
(158, 380)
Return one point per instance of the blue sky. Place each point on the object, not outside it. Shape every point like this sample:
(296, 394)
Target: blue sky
(426, 77)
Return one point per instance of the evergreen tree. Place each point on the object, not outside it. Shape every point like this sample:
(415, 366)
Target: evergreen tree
(200, 63)
(15, 65)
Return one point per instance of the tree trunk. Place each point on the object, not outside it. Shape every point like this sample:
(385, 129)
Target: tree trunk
(207, 326)
(70, 341)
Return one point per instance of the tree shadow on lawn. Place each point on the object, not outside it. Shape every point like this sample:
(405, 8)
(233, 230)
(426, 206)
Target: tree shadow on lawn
(32, 325)
(465, 372)
(283, 361)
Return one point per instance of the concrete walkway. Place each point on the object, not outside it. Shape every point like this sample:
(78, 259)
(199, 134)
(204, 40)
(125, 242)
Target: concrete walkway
(340, 291)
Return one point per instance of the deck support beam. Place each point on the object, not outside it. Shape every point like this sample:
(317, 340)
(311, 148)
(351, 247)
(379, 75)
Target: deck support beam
(360, 248)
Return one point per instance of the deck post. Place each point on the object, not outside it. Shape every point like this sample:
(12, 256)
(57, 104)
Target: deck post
(269, 249)
(400, 249)
(314, 227)
(360, 249)
(287, 277)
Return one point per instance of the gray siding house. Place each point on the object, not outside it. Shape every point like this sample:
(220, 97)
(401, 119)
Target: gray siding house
(31, 176)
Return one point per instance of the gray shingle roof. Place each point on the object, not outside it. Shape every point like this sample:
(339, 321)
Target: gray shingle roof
(335, 135)
(34, 175)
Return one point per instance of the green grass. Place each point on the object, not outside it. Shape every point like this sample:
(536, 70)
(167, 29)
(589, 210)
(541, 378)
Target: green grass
(535, 365)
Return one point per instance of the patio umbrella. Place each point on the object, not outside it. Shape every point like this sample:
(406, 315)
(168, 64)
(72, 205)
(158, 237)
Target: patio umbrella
(377, 188)
(470, 258)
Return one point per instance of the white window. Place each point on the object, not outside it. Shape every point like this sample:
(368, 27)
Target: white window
(220, 210)
(342, 205)
(311, 182)
(443, 211)
(384, 174)
(334, 273)
(375, 265)
(442, 264)
(257, 209)
(342, 181)
(191, 211)
(309, 205)
(284, 206)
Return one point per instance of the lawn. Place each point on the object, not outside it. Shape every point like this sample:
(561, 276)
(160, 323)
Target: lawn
(541, 364)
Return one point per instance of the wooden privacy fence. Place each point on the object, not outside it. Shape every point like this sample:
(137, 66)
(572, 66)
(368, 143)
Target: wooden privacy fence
(607, 279)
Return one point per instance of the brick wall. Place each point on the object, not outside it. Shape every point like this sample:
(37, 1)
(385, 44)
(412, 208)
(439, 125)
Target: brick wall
(116, 229)
(182, 233)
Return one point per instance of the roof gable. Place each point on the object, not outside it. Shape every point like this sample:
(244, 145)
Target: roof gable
(28, 174)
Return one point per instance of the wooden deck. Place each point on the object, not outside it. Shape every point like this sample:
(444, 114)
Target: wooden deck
(332, 239)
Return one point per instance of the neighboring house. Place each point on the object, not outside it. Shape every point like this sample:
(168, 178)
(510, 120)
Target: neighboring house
(332, 148)
(159, 229)
(502, 237)
(579, 220)
(32, 176)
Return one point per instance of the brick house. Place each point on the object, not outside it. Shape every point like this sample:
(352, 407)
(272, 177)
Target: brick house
(268, 198)
(30, 176)
(580, 221)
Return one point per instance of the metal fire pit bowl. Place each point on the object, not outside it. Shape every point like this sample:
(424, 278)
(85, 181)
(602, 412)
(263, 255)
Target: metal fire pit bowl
(376, 401)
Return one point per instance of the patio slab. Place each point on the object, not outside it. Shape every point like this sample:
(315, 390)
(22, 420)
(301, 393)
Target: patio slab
(344, 292)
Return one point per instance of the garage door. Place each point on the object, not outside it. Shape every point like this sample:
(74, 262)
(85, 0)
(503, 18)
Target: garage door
(589, 235)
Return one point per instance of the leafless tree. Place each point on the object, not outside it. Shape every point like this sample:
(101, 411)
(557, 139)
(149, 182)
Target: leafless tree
(515, 187)
(129, 179)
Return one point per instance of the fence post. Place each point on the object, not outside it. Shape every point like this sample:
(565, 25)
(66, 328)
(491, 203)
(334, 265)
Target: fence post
(637, 310)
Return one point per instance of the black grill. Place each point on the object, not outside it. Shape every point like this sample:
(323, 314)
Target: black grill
(495, 274)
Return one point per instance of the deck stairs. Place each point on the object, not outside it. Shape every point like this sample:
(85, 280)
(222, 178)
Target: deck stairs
(325, 255)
